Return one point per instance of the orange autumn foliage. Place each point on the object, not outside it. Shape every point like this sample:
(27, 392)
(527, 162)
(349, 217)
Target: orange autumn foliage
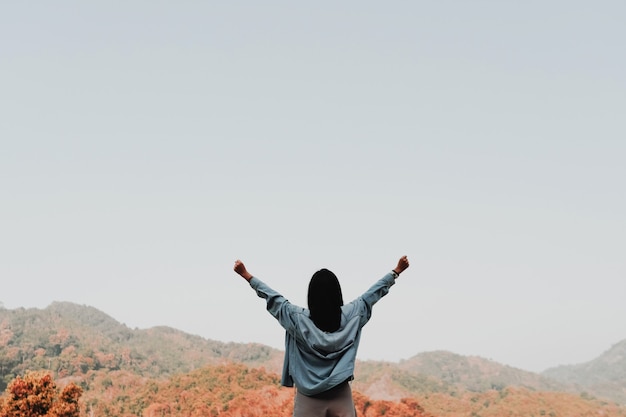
(406, 407)
(519, 402)
(230, 390)
(36, 395)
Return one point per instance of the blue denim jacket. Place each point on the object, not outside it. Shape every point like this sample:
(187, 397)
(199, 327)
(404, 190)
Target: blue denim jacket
(317, 361)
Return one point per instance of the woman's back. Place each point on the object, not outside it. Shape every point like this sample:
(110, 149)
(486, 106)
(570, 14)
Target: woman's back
(321, 342)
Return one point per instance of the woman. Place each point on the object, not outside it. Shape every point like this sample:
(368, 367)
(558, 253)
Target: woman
(321, 342)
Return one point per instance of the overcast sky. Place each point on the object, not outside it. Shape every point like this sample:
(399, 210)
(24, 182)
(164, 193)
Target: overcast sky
(147, 145)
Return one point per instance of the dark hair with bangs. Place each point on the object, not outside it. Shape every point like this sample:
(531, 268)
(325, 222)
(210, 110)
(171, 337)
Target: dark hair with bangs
(325, 300)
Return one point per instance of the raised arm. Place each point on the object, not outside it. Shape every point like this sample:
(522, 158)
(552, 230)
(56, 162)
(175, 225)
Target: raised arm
(380, 289)
(277, 305)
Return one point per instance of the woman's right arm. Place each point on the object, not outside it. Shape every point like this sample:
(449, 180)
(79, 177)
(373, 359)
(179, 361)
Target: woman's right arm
(277, 305)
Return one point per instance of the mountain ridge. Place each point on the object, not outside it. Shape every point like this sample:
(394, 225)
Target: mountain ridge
(603, 376)
(73, 339)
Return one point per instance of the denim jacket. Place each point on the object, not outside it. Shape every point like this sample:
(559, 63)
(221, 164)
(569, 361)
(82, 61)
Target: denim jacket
(317, 361)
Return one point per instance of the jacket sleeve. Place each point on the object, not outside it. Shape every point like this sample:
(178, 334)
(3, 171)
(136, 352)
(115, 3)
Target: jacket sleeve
(370, 297)
(277, 305)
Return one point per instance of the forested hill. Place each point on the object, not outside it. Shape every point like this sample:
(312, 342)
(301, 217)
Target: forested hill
(71, 339)
(475, 373)
(78, 341)
(604, 376)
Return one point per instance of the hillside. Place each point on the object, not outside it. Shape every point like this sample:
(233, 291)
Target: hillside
(232, 390)
(235, 390)
(70, 339)
(446, 373)
(604, 376)
(121, 369)
(474, 373)
(518, 402)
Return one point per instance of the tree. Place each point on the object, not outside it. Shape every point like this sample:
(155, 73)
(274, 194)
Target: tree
(36, 395)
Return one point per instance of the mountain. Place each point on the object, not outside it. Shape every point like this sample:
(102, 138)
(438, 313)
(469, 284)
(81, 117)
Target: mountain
(71, 339)
(474, 373)
(445, 373)
(122, 369)
(224, 390)
(604, 376)
(154, 372)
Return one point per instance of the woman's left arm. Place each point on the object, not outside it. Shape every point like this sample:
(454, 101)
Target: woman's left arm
(380, 289)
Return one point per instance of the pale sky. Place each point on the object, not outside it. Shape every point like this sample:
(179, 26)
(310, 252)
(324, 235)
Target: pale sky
(147, 145)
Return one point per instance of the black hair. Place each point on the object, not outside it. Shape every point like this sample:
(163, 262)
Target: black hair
(325, 300)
